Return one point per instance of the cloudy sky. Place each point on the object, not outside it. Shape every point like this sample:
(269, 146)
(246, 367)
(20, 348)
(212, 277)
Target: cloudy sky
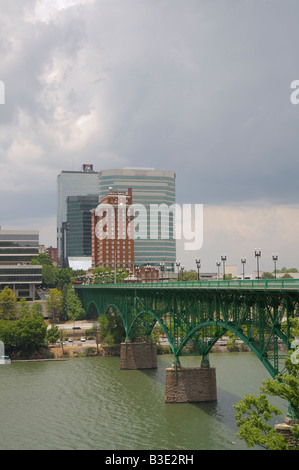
(199, 87)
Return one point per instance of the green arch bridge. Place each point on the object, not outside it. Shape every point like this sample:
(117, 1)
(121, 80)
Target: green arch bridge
(199, 313)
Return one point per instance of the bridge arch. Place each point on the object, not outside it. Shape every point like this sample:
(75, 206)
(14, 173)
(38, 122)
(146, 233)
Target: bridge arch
(117, 310)
(92, 306)
(157, 319)
(224, 328)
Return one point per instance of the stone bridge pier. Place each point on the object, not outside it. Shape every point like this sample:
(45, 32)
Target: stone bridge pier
(138, 355)
(183, 385)
(190, 385)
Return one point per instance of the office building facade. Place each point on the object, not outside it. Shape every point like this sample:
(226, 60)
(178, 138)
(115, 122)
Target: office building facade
(149, 187)
(17, 249)
(78, 235)
(112, 240)
(72, 184)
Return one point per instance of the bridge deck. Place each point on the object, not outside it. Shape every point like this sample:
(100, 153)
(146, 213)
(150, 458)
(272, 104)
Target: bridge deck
(256, 285)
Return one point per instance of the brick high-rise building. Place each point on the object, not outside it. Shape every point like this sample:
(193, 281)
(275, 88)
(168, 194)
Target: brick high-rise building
(112, 242)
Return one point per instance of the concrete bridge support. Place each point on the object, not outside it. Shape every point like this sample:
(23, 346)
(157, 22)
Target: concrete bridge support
(138, 355)
(189, 385)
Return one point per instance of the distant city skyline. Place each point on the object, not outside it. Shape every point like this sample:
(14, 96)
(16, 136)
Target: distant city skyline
(206, 89)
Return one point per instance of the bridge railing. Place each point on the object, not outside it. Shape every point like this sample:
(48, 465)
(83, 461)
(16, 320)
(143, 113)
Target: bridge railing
(247, 284)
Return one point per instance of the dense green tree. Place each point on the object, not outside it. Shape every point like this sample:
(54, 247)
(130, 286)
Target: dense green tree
(49, 275)
(63, 277)
(72, 307)
(112, 330)
(54, 304)
(42, 259)
(53, 334)
(255, 413)
(30, 331)
(8, 333)
(26, 331)
(8, 304)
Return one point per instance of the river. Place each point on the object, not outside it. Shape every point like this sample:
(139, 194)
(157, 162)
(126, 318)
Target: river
(89, 403)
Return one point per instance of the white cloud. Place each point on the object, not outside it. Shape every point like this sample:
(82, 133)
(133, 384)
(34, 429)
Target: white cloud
(47, 10)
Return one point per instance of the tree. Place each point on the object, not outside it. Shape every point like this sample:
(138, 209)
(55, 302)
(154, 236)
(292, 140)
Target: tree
(254, 413)
(7, 333)
(72, 307)
(42, 259)
(286, 276)
(8, 303)
(49, 274)
(54, 304)
(30, 331)
(63, 277)
(108, 276)
(112, 330)
(267, 275)
(53, 334)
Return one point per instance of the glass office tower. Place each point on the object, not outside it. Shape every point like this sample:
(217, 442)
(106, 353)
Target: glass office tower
(72, 183)
(78, 235)
(149, 187)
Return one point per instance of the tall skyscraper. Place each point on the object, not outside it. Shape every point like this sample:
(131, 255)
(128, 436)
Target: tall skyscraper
(78, 235)
(69, 184)
(149, 187)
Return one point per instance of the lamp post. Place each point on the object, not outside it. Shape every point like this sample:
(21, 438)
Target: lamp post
(258, 254)
(178, 264)
(198, 264)
(243, 261)
(182, 270)
(162, 269)
(275, 258)
(218, 264)
(137, 270)
(223, 259)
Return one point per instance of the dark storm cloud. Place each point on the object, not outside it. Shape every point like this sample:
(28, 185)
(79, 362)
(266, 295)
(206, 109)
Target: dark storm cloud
(198, 87)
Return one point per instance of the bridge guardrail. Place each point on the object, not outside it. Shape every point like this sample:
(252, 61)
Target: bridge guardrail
(248, 284)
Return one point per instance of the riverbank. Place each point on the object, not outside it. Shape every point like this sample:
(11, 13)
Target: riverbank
(70, 351)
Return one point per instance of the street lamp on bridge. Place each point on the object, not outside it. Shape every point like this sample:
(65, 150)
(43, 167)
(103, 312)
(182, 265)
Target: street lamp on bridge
(198, 264)
(275, 258)
(243, 261)
(182, 271)
(258, 254)
(162, 267)
(178, 264)
(223, 259)
(218, 264)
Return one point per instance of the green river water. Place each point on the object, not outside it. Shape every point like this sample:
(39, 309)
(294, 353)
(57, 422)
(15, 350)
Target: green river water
(89, 404)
